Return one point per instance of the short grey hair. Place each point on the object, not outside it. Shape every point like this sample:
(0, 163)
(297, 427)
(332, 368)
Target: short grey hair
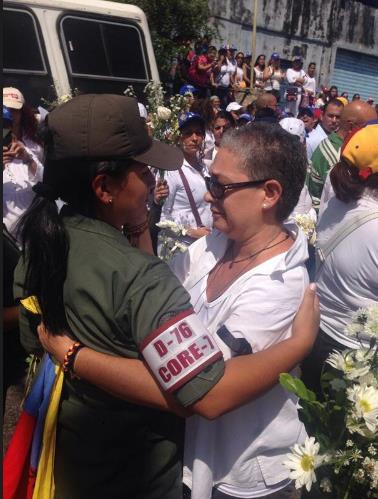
(267, 151)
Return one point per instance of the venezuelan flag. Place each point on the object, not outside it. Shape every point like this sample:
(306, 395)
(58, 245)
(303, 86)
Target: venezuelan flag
(28, 468)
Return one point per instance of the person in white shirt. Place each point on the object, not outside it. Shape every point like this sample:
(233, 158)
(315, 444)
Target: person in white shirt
(329, 122)
(309, 86)
(347, 275)
(223, 122)
(22, 167)
(177, 207)
(237, 277)
(273, 76)
(304, 206)
(296, 78)
(246, 280)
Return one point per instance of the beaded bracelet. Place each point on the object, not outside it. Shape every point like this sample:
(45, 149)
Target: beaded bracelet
(69, 358)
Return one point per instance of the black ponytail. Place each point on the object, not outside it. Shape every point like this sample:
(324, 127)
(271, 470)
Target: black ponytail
(44, 252)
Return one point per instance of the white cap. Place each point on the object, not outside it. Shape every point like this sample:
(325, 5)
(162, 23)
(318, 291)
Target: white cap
(13, 98)
(142, 110)
(295, 127)
(233, 106)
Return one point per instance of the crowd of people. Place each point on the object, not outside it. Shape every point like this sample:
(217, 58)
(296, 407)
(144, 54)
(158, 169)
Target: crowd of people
(171, 371)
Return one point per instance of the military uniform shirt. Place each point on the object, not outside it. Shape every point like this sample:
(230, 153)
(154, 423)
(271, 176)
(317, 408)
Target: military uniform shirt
(114, 297)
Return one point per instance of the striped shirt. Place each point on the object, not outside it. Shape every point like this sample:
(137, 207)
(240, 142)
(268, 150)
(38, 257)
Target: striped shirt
(325, 156)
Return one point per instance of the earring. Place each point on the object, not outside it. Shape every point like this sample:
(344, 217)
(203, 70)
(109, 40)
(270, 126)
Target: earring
(110, 201)
(264, 206)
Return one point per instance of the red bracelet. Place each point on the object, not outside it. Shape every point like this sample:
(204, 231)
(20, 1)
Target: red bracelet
(69, 358)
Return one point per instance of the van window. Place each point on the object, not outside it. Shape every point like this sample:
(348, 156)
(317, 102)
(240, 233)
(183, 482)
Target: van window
(21, 53)
(107, 50)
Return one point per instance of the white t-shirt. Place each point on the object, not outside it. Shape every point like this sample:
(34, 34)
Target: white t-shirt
(17, 186)
(177, 207)
(348, 279)
(224, 76)
(274, 80)
(292, 76)
(310, 84)
(242, 451)
(314, 138)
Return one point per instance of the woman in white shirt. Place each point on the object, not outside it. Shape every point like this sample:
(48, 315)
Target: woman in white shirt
(22, 160)
(258, 75)
(273, 76)
(348, 276)
(194, 214)
(246, 280)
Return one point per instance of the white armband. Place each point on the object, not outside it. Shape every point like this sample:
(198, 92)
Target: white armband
(178, 350)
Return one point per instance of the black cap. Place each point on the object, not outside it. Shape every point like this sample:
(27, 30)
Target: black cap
(103, 127)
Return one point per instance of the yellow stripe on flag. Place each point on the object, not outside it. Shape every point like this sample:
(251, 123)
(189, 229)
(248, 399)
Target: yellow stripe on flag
(45, 485)
(31, 304)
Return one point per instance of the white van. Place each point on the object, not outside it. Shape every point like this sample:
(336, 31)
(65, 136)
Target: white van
(93, 46)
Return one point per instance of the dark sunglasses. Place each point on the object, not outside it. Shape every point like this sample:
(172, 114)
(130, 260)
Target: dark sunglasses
(217, 190)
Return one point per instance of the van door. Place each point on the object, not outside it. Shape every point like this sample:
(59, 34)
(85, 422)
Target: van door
(25, 65)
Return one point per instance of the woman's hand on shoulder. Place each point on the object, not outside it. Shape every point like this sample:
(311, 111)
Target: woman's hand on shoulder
(306, 323)
(57, 345)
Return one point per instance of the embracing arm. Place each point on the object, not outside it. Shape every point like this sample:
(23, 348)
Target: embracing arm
(245, 377)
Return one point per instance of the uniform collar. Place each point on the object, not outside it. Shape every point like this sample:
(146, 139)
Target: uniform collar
(92, 225)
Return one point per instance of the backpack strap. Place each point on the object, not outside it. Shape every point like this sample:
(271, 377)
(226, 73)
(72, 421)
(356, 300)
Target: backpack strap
(345, 230)
(190, 198)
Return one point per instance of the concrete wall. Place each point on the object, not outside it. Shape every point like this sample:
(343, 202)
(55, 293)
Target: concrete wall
(312, 28)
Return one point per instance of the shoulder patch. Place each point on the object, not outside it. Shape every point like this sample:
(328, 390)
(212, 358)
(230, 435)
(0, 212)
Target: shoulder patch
(178, 350)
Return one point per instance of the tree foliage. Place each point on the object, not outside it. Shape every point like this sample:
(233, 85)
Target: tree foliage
(172, 23)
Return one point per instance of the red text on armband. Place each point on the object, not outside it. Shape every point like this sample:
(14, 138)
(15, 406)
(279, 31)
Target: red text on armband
(178, 350)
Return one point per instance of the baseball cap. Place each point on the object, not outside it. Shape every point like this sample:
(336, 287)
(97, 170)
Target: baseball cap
(370, 99)
(229, 47)
(7, 115)
(13, 98)
(360, 149)
(295, 127)
(187, 89)
(233, 106)
(246, 116)
(106, 126)
(275, 56)
(188, 117)
(343, 100)
(297, 58)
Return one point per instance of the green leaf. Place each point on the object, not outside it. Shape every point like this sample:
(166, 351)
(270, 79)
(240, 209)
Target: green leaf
(296, 385)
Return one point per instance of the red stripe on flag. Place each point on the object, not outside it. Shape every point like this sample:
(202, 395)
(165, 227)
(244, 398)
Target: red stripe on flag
(17, 459)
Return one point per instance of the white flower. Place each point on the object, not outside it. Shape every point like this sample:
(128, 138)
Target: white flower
(302, 463)
(359, 475)
(163, 113)
(326, 485)
(307, 225)
(364, 323)
(345, 362)
(372, 450)
(365, 399)
(349, 443)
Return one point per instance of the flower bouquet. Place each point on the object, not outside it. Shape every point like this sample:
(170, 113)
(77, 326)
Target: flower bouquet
(169, 239)
(341, 456)
(308, 225)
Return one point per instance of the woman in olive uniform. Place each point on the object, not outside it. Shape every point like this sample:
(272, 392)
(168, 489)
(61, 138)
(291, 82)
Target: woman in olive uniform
(114, 296)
